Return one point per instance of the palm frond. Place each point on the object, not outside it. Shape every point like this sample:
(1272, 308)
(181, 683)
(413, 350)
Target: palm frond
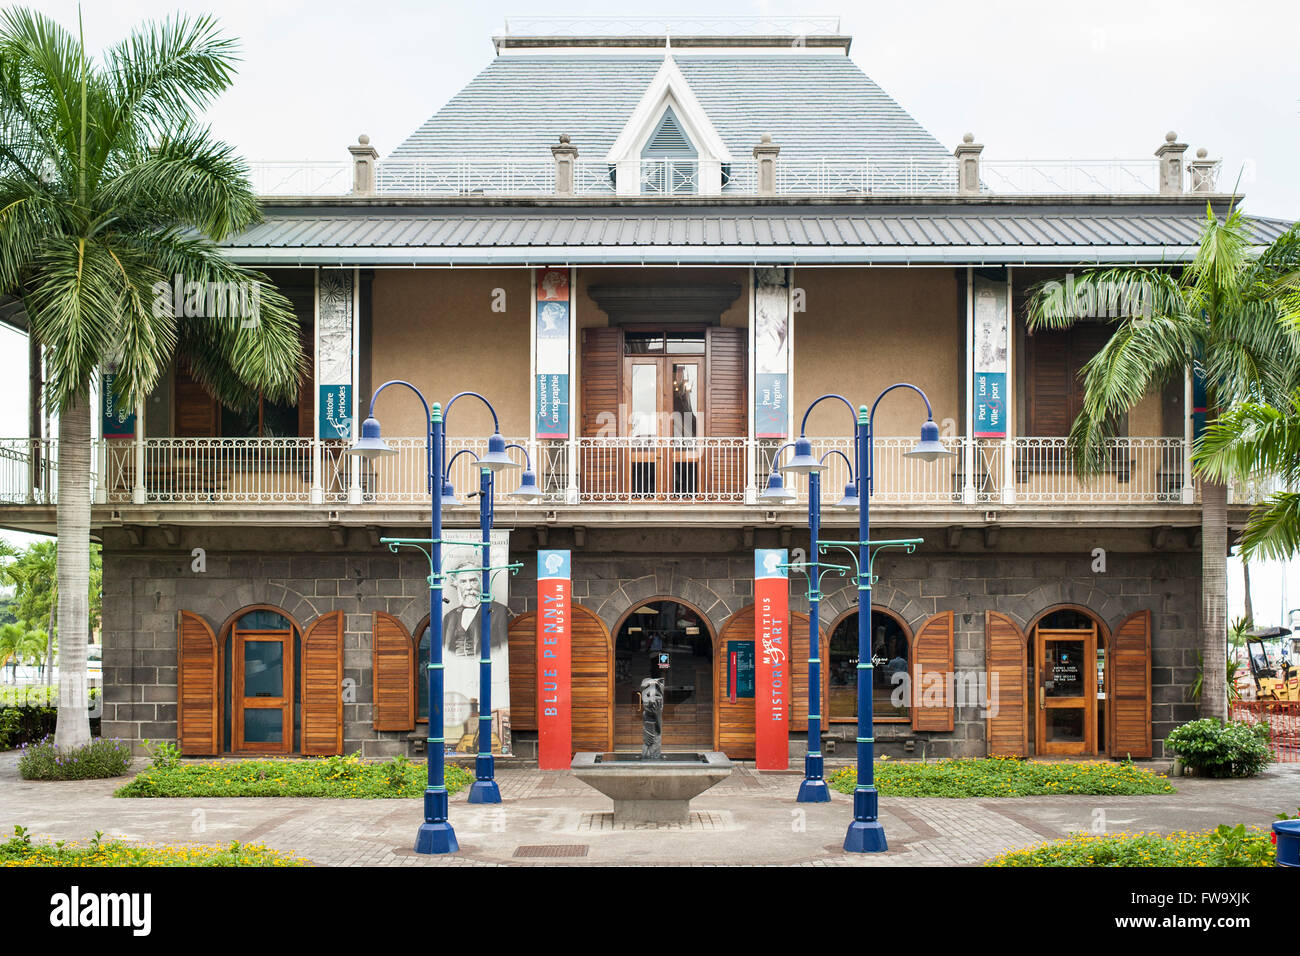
(1273, 529)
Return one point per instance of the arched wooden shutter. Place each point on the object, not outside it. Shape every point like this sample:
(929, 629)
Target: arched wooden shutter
(198, 686)
(322, 686)
(523, 671)
(932, 654)
(593, 683)
(1128, 679)
(1006, 663)
(393, 671)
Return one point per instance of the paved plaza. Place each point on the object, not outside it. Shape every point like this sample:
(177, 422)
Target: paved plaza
(549, 818)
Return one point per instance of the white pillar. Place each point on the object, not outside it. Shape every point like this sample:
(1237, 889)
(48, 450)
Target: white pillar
(968, 442)
(317, 491)
(140, 492)
(1009, 451)
(1189, 487)
(751, 449)
(571, 492)
(354, 485)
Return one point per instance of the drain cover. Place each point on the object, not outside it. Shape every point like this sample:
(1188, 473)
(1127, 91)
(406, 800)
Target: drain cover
(552, 850)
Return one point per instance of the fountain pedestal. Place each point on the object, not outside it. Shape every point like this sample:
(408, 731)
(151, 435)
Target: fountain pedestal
(653, 790)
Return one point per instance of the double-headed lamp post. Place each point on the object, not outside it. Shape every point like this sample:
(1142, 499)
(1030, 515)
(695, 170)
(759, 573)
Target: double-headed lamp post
(436, 834)
(865, 833)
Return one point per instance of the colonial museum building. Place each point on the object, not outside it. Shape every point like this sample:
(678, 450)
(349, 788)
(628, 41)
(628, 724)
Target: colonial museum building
(650, 255)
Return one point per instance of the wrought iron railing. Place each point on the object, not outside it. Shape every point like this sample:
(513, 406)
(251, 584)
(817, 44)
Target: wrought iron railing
(243, 471)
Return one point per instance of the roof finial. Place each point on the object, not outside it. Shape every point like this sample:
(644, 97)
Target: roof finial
(668, 42)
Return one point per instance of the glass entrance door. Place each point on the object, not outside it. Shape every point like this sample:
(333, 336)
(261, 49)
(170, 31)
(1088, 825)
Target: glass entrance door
(1066, 663)
(262, 718)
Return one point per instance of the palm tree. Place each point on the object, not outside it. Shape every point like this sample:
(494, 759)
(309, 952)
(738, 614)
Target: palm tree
(108, 187)
(1217, 315)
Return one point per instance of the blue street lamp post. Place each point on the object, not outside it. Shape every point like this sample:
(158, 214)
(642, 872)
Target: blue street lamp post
(435, 834)
(865, 833)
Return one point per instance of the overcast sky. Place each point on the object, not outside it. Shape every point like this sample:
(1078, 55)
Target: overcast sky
(1104, 79)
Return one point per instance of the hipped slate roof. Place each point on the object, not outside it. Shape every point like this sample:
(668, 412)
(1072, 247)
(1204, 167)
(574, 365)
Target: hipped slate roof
(934, 233)
(816, 108)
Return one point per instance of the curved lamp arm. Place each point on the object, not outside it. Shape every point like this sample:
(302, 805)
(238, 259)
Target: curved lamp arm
(803, 425)
(528, 459)
(496, 425)
(836, 451)
(464, 451)
(398, 381)
(929, 412)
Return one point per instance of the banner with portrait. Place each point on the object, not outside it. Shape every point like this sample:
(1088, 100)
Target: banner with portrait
(771, 353)
(461, 626)
(552, 350)
(990, 358)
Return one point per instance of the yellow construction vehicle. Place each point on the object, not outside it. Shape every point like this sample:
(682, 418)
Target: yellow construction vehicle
(1272, 682)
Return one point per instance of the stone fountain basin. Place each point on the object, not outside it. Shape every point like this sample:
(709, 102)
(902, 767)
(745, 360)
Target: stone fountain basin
(651, 791)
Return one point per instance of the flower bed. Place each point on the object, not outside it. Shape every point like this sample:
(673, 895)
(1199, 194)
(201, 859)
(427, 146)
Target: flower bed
(19, 850)
(1226, 846)
(347, 777)
(1004, 777)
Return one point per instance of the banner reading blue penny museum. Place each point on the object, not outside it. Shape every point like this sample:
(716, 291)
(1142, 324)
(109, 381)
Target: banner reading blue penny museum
(554, 661)
(552, 350)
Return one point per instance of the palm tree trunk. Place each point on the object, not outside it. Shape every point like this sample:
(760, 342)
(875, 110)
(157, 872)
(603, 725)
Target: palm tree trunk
(1250, 609)
(72, 728)
(1214, 598)
(49, 643)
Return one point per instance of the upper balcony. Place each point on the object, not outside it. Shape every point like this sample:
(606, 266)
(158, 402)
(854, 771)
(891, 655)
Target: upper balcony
(602, 479)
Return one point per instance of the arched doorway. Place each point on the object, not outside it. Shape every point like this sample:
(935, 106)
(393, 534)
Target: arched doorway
(668, 639)
(1067, 681)
(891, 651)
(261, 699)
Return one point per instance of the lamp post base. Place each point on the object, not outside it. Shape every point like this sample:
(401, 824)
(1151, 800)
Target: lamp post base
(484, 791)
(813, 788)
(436, 837)
(865, 836)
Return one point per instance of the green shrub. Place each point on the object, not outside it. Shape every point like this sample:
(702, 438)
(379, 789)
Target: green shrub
(165, 755)
(1217, 749)
(1224, 846)
(313, 777)
(1004, 777)
(99, 758)
(29, 713)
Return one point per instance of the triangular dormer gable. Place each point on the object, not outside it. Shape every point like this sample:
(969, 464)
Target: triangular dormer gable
(668, 89)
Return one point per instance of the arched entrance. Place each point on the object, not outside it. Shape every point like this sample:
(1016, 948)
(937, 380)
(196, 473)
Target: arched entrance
(1067, 673)
(669, 639)
(262, 712)
(891, 651)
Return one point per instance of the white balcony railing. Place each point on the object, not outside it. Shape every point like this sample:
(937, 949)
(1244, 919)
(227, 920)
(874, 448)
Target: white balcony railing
(599, 471)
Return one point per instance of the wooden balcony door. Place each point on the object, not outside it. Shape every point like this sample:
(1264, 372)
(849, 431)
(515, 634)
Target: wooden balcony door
(663, 395)
(1066, 715)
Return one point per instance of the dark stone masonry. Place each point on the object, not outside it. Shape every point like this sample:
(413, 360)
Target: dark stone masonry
(306, 572)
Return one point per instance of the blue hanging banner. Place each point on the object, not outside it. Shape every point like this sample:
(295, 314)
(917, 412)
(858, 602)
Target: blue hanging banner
(552, 352)
(116, 419)
(335, 411)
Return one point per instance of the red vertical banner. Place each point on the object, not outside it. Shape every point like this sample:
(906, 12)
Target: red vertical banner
(772, 681)
(554, 662)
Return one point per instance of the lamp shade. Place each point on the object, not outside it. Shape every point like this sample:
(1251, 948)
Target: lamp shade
(449, 499)
(929, 447)
(527, 489)
(803, 462)
(371, 443)
(776, 492)
(850, 500)
(496, 458)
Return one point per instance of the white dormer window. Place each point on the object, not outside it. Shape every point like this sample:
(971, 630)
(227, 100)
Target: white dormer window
(668, 146)
(669, 161)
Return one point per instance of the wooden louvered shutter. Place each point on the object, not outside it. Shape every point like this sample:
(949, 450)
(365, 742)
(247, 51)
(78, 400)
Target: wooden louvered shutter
(1128, 686)
(602, 390)
(727, 409)
(198, 683)
(932, 654)
(1007, 665)
(196, 410)
(523, 671)
(735, 721)
(593, 688)
(393, 671)
(322, 686)
(1050, 389)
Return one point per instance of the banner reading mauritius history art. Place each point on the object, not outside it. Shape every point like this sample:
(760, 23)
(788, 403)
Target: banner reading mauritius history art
(552, 351)
(990, 358)
(461, 632)
(554, 662)
(771, 352)
(771, 659)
